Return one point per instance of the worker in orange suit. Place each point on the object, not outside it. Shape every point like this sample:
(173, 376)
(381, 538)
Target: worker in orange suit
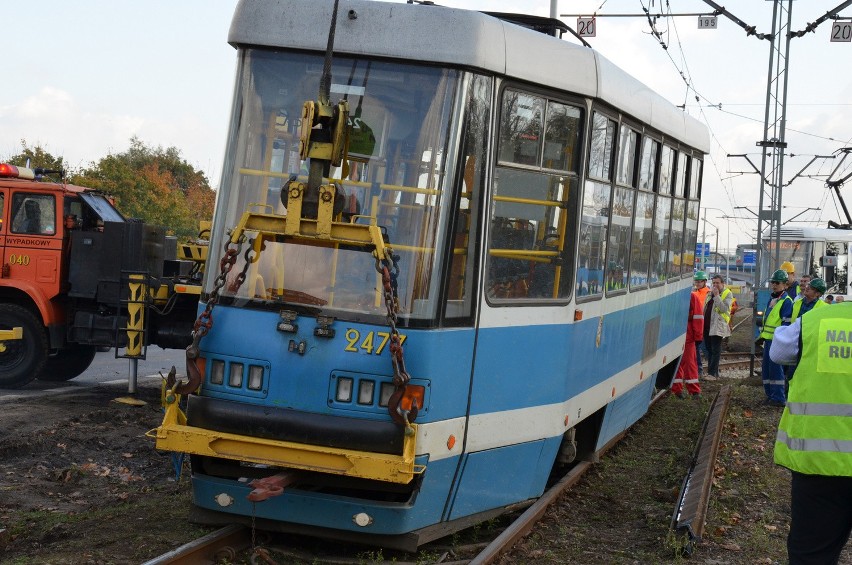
(687, 371)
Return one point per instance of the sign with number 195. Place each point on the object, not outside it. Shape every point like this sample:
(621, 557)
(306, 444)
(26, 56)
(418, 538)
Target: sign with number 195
(707, 22)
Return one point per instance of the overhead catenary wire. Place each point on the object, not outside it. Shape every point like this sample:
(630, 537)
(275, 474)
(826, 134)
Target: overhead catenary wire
(663, 38)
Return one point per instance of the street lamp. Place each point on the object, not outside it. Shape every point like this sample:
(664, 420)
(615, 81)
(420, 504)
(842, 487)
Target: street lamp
(704, 233)
(716, 249)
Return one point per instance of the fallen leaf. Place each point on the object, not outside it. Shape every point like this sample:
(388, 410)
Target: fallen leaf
(127, 455)
(770, 527)
(730, 546)
(748, 413)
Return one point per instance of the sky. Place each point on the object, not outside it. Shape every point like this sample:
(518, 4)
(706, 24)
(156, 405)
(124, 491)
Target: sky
(82, 78)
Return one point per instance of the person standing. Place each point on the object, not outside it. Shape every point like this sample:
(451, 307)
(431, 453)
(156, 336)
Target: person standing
(804, 281)
(717, 315)
(702, 290)
(687, 371)
(778, 312)
(792, 285)
(807, 301)
(815, 433)
(809, 298)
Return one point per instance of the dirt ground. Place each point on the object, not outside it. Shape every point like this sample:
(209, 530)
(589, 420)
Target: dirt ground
(81, 484)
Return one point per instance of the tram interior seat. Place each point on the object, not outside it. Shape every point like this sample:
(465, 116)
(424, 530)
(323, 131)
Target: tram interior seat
(544, 274)
(511, 275)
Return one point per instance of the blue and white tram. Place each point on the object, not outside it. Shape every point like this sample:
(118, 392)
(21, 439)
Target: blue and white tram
(821, 252)
(541, 206)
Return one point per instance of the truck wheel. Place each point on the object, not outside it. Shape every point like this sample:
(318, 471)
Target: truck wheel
(21, 359)
(68, 363)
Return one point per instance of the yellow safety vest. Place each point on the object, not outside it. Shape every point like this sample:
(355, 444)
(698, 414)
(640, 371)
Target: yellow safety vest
(815, 435)
(797, 307)
(773, 318)
(725, 315)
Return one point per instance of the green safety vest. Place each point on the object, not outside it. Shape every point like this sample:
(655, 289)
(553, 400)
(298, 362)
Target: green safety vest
(797, 307)
(773, 317)
(815, 433)
(725, 315)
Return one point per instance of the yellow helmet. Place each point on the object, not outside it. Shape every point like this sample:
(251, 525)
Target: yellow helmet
(788, 267)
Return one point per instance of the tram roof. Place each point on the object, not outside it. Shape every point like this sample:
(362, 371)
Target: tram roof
(436, 34)
(809, 233)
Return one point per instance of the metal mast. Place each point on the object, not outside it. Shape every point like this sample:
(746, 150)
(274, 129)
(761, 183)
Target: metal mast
(773, 142)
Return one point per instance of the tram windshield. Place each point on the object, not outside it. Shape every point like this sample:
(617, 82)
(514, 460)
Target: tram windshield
(400, 175)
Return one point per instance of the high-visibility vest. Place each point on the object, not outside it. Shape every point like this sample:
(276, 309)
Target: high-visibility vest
(815, 435)
(797, 307)
(725, 315)
(773, 318)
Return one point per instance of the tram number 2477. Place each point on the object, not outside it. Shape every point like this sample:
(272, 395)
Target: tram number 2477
(372, 343)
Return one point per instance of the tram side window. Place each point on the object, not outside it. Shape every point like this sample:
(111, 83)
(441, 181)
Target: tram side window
(648, 163)
(601, 149)
(662, 217)
(690, 236)
(680, 175)
(664, 185)
(591, 253)
(643, 235)
(533, 203)
(837, 276)
(33, 214)
(643, 220)
(694, 191)
(2, 203)
(676, 251)
(520, 128)
(619, 239)
(660, 240)
(628, 142)
(462, 279)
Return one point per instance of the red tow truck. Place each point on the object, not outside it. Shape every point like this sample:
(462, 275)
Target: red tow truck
(76, 275)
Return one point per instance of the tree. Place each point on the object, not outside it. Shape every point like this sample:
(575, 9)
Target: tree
(154, 184)
(35, 157)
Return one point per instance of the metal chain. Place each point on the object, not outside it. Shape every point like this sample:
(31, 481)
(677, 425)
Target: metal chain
(205, 319)
(389, 269)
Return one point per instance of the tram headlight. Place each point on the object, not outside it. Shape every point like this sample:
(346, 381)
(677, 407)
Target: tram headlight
(344, 389)
(235, 378)
(217, 372)
(255, 381)
(385, 392)
(365, 392)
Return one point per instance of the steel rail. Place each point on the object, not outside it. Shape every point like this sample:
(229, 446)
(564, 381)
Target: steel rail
(524, 523)
(224, 543)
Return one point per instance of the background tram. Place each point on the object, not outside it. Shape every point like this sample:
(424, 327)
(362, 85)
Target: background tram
(542, 209)
(822, 252)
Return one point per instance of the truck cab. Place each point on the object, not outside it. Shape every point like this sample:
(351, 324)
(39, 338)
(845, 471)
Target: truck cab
(75, 275)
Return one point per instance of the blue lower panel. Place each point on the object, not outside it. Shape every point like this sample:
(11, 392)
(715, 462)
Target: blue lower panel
(502, 476)
(626, 410)
(317, 509)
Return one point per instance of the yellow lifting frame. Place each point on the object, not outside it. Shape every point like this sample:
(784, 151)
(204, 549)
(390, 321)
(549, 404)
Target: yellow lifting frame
(175, 435)
(323, 229)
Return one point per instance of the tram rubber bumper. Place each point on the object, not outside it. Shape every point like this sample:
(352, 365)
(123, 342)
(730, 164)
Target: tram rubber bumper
(174, 434)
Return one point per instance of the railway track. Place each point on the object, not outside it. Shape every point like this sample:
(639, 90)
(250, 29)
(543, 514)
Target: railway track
(236, 544)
